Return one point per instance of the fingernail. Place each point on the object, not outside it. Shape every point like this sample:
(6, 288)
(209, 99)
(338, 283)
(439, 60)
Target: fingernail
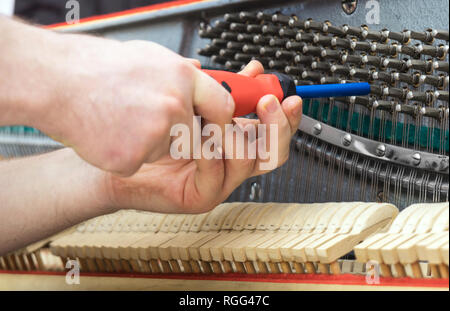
(271, 104)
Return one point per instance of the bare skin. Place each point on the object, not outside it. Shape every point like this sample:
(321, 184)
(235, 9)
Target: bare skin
(113, 102)
(101, 108)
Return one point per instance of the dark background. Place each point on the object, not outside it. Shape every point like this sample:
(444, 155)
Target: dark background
(46, 12)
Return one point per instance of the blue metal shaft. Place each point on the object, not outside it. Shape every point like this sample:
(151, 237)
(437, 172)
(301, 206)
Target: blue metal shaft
(333, 90)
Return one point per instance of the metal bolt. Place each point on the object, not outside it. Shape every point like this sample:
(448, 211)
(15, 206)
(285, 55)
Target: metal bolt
(255, 191)
(443, 165)
(317, 129)
(380, 197)
(416, 158)
(349, 6)
(347, 140)
(381, 150)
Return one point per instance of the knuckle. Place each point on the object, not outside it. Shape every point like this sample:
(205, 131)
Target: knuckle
(184, 68)
(174, 105)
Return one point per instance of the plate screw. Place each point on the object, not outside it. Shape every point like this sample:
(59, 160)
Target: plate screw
(255, 191)
(349, 6)
(347, 140)
(416, 158)
(381, 150)
(443, 166)
(380, 197)
(317, 129)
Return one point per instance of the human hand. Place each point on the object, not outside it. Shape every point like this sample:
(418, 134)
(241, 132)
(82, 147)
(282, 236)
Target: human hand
(116, 102)
(195, 186)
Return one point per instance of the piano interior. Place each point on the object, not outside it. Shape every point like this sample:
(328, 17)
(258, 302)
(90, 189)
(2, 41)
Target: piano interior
(362, 202)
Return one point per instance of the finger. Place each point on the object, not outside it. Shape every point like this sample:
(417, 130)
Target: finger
(241, 152)
(271, 113)
(195, 62)
(252, 69)
(210, 172)
(216, 106)
(292, 107)
(211, 100)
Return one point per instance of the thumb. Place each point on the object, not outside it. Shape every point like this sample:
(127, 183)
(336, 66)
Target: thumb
(271, 114)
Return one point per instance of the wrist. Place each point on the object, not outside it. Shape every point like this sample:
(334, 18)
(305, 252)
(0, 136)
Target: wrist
(87, 185)
(97, 188)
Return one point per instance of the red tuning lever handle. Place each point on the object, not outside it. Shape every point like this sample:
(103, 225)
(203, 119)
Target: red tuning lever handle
(247, 91)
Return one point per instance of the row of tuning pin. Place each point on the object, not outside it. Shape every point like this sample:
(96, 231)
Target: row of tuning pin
(362, 32)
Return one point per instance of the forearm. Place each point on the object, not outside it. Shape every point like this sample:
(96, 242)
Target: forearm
(42, 195)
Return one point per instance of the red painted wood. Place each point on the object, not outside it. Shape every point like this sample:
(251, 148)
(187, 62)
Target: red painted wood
(144, 9)
(343, 279)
